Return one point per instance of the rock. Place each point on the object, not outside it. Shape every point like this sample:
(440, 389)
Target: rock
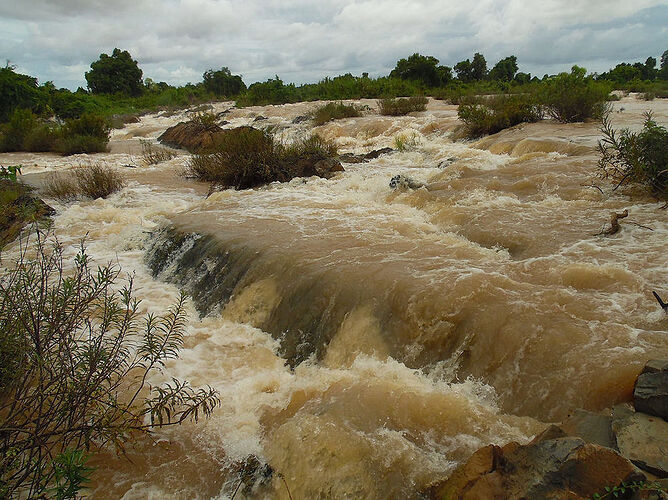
(655, 365)
(327, 167)
(591, 427)
(377, 152)
(405, 182)
(560, 468)
(259, 118)
(192, 136)
(352, 158)
(300, 119)
(641, 438)
(650, 394)
(447, 162)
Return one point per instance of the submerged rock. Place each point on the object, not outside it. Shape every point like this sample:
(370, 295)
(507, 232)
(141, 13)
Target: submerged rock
(405, 182)
(372, 155)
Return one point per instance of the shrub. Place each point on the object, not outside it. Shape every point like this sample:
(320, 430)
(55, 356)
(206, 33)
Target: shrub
(492, 114)
(241, 158)
(334, 111)
(87, 134)
(21, 123)
(573, 97)
(640, 157)
(402, 106)
(152, 155)
(88, 181)
(245, 157)
(41, 138)
(75, 367)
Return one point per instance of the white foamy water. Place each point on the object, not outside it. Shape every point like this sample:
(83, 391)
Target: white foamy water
(433, 321)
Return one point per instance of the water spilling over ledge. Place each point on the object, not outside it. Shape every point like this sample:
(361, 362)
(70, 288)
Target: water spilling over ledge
(348, 323)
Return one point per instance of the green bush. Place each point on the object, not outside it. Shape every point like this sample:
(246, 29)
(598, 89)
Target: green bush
(43, 137)
(78, 358)
(88, 181)
(18, 208)
(495, 113)
(573, 97)
(334, 111)
(402, 106)
(13, 133)
(245, 157)
(640, 158)
(87, 134)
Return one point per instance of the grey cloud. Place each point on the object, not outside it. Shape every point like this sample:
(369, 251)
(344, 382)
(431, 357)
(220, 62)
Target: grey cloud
(303, 41)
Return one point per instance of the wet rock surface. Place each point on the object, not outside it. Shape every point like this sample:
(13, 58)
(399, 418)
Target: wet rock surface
(363, 158)
(191, 136)
(650, 394)
(588, 454)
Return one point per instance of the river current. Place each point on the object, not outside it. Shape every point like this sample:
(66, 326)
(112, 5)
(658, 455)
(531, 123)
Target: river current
(366, 340)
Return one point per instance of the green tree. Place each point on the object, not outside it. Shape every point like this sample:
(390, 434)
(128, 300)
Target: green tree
(478, 67)
(464, 71)
(418, 67)
(117, 73)
(223, 82)
(505, 69)
(17, 91)
(663, 73)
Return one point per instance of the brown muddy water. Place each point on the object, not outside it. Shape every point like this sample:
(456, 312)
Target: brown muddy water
(367, 340)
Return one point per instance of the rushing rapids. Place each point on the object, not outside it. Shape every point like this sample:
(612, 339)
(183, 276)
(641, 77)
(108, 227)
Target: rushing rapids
(366, 340)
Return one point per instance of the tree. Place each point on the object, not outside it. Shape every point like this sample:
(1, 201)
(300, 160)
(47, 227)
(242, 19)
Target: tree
(223, 83)
(464, 71)
(418, 67)
(664, 66)
(444, 74)
(17, 91)
(505, 69)
(117, 73)
(75, 363)
(478, 67)
(649, 69)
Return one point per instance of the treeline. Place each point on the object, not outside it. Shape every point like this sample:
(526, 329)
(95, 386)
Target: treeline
(117, 91)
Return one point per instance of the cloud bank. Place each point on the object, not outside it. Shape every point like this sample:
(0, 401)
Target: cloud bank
(303, 41)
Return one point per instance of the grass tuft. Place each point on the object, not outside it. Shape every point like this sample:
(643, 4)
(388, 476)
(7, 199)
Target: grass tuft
(402, 105)
(87, 181)
(334, 111)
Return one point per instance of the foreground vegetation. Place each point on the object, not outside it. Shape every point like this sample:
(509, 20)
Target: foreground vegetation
(636, 158)
(74, 362)
(18, 206)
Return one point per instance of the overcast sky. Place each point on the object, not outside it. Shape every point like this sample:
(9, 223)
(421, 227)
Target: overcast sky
(303, 41)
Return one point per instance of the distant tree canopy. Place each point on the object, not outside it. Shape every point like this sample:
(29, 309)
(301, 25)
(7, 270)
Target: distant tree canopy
(223, 82)
(464, 71)
(664, 65)
(421, 68)
(478, 67)
(17, 91)
(505, 69)
(117, 73)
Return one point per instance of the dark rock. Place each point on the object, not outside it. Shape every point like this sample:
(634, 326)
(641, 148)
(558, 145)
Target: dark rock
(259, 118)
(650, 394)
(591, 427)
(561, 468)
(327, 168)
(377, 152)
(405, 182)
(352, 158)
(224, 122)
(26, 208)
(447, 162)
(192, 136)
(641, 438)
(300, 119)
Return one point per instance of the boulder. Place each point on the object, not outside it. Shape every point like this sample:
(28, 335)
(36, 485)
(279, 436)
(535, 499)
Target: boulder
(641, 438)
(310, 165)
(405, 182)
(192, 136)
(327, 168)
(650, 394)
(591, 427)
(300, 119)
(555, 468)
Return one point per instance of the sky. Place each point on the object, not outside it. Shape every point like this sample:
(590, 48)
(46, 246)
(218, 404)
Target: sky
(303, 41)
